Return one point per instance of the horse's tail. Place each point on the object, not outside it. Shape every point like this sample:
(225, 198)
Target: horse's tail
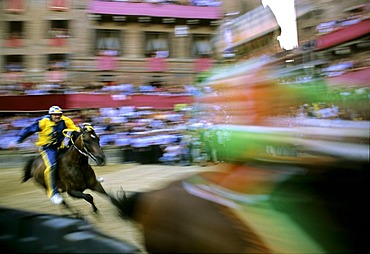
(27, 174)
(125, 203)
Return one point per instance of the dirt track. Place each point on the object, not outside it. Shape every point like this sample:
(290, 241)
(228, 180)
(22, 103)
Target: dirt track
(131, 177)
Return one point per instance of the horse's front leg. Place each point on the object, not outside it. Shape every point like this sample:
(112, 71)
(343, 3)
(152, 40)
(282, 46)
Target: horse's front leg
(92, 183)
(98, 188)
(87, 197)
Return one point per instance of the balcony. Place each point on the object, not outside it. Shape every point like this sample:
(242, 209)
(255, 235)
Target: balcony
(56, 76)
(59, 5)
(203, 64)
(57, 42)
(106, 63)
(14, 6)
(156, 64)
(155, 10)
(13, 42)
(345, 34)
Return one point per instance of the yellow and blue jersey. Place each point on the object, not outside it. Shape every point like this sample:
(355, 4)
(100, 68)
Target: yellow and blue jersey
(50, 133)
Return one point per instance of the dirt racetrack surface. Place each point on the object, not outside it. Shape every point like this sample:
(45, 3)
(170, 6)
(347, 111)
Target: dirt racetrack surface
(130, 177)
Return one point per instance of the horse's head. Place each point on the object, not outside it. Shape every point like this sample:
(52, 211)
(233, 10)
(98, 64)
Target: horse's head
(89, 144)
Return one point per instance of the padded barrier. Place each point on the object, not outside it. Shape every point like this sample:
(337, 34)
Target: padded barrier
(28, 232)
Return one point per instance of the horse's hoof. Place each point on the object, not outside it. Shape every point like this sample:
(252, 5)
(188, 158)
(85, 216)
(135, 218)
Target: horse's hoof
(95, 209)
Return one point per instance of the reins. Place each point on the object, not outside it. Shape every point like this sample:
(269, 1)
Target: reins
(86, 152)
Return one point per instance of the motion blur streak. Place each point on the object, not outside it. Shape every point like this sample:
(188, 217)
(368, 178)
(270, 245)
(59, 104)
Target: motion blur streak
(293, 156)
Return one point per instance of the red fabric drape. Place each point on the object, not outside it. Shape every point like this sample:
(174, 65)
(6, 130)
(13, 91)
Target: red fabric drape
(14, 5)
(55, 76)
(202, 64)
(157, 64)
(13, 76)
(107, 63)
(59, 4)
(57, 42)
(13, 43)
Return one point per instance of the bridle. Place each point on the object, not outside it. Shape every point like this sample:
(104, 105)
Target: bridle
(85, 151)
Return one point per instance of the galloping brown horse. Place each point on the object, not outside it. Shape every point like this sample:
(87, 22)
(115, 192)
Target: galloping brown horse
(175, 221)
(283, 209)
(74, 171)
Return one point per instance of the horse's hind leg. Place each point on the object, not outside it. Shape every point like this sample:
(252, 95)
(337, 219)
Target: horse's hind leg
(87, 197)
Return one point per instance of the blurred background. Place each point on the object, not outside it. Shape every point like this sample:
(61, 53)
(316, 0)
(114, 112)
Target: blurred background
(140, 69)
(232, 83)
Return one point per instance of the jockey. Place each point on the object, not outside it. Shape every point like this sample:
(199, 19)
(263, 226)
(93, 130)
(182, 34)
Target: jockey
(50, 138)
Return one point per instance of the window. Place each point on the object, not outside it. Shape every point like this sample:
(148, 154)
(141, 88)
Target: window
(59, 29)
(56, 65)
(59, 5)
(14, 63)
(201, 46)
(13, 38)
(57, 61)
(108, 42)
(15, 29)
(156, 45)
(14, 5)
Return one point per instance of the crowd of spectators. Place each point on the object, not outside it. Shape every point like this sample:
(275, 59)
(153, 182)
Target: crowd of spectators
(181, 2)
(40, 88)
(139, 132)
(144, 135)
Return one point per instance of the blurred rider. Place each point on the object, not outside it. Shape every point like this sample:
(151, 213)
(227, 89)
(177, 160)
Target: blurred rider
(50, 138)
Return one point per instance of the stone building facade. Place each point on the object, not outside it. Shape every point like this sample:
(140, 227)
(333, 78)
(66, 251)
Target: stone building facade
(139, 42)
(58, 41)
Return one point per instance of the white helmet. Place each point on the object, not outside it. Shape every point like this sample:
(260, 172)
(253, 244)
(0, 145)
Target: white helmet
(55, 110)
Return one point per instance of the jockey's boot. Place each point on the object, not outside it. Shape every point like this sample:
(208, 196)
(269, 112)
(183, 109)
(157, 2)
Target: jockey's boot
(56, 199)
